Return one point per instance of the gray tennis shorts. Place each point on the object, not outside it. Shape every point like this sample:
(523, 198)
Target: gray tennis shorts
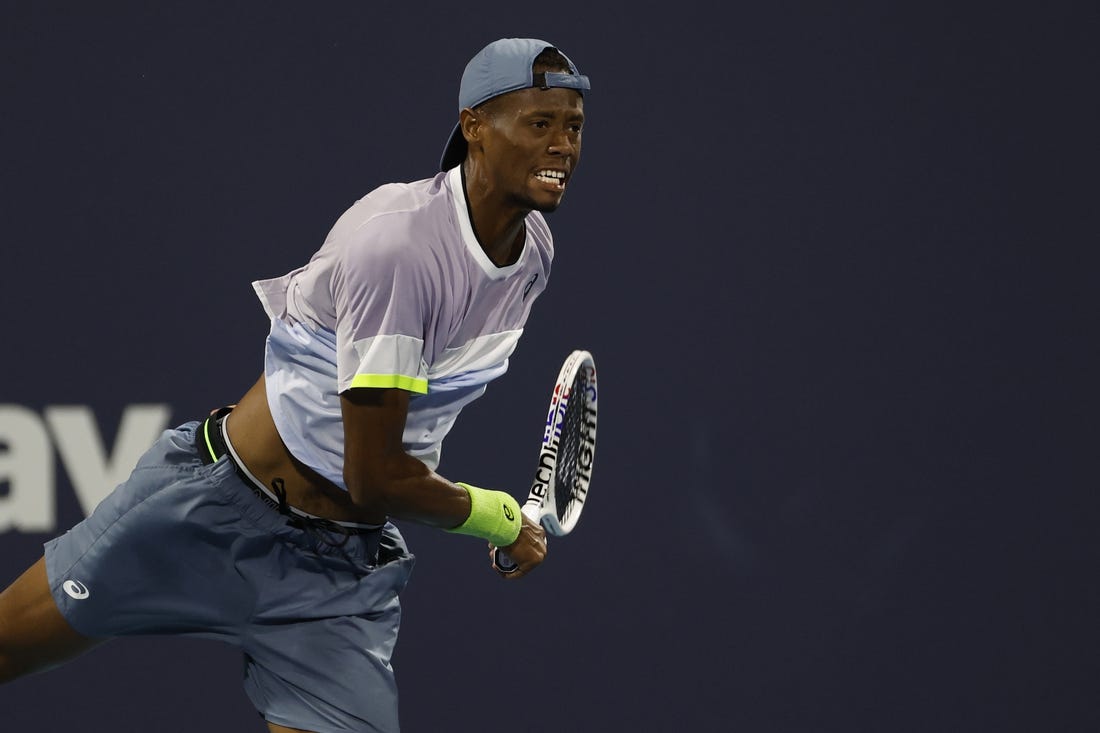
(187, 548)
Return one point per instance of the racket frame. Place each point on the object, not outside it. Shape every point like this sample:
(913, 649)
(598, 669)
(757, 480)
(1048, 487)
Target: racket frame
(541, 505)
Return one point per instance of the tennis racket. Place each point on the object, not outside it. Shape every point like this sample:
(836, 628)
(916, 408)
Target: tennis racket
(565, 457)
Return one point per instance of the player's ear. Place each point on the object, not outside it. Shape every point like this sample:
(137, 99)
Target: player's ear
(471, 124)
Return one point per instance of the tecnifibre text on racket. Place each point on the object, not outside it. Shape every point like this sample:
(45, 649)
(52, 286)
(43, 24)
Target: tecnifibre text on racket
(565, 457)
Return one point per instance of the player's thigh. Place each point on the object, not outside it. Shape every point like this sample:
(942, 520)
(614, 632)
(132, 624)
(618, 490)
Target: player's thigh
(283, 729)
(33, 633)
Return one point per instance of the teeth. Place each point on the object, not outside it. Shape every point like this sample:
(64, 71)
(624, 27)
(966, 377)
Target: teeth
(551, 176)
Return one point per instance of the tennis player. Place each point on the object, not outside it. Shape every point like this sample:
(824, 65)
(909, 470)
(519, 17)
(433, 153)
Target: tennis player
(266, 525)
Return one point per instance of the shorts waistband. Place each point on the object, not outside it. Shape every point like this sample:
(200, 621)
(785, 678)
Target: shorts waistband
(212, 444)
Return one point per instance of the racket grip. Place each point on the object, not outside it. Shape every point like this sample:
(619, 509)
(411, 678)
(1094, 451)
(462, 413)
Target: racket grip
(502, 561)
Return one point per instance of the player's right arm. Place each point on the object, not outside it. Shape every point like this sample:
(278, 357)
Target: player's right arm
(386, 294)
(385, 481)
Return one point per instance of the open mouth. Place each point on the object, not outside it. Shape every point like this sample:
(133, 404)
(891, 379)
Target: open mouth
(553, 178)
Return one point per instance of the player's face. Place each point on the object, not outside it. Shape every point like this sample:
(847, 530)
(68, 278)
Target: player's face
(534, 144)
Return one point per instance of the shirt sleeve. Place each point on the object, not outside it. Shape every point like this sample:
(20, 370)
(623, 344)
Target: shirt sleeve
(382, 296)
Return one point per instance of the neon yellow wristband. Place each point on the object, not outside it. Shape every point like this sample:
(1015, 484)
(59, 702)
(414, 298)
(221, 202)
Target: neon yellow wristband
(494, 516)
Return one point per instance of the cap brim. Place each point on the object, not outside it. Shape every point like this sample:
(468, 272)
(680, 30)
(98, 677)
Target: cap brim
(455, 152)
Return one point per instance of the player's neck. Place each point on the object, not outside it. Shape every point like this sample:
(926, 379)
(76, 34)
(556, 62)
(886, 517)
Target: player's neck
(504, 245)
(499, 226)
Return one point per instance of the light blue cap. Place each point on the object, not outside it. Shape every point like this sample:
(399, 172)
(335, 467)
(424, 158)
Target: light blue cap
(501, 67)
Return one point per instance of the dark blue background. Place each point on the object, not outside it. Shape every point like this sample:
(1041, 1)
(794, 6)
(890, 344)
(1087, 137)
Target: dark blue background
(836, 264)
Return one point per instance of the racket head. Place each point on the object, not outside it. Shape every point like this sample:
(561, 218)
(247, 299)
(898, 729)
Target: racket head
(568, 448)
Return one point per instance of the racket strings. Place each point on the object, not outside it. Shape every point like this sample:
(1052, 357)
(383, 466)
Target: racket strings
(569, 451)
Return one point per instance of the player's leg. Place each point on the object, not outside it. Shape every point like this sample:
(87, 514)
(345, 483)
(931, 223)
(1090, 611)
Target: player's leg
(338, 675)
(33, 633)
(283, 729)
(338, 609)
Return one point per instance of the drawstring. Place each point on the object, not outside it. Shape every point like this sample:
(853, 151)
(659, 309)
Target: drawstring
(211, 444)
(279, 488)
(321, 530)
(313, 525)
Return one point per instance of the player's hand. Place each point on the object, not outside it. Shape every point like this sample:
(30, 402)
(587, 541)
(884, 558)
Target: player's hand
(528, 551)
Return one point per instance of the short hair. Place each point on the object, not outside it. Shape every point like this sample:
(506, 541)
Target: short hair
(550, 59)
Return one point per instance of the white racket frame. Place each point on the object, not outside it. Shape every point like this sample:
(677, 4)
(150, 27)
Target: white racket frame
(541, 504)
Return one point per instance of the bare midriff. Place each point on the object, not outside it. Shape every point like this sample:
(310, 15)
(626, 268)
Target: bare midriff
(256, 440)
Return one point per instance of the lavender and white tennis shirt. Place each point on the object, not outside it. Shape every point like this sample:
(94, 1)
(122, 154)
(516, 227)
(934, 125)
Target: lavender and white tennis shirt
(400, 295)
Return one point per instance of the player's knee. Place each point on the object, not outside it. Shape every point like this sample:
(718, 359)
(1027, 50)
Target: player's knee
(10, 666)
(23, 648)
(26, 653)
(18, 659)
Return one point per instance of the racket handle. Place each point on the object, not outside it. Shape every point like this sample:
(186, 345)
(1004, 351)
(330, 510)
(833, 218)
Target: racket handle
(505, 563)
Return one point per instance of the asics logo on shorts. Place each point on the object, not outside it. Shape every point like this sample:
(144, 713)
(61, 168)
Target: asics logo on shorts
(75, 589)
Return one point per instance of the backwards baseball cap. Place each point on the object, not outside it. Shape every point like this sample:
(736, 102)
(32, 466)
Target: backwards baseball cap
(501, 67)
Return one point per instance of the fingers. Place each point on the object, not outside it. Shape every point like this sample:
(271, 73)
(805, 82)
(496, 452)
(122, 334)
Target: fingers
(527, 553)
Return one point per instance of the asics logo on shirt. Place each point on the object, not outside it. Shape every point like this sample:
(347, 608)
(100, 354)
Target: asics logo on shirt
(75, 589)
(529, 285)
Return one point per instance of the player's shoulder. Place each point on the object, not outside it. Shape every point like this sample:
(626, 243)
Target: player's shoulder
(385, 221)
(393, 201)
